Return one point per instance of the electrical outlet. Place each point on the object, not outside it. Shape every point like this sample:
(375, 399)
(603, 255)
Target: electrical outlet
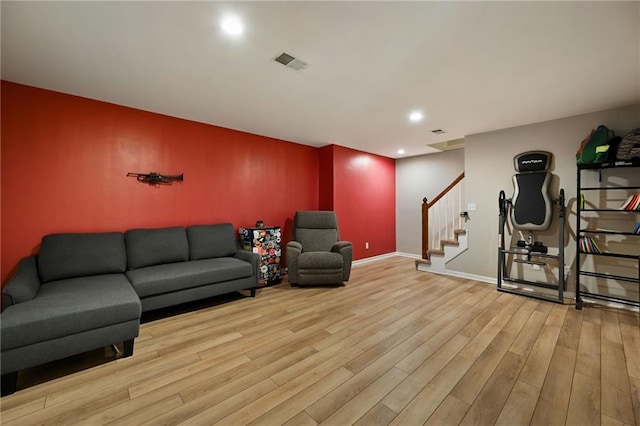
(471, 207)
(536, 267)
(366, 245)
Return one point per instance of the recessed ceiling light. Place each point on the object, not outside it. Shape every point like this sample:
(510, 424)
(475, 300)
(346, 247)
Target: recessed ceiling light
(232, 25)
(416, 116)
(401, 151)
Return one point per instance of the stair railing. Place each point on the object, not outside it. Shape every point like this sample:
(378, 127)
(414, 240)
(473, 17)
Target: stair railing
(442, 215)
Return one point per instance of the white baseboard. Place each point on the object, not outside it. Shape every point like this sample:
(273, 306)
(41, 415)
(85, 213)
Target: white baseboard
(457, 274)
(373, 259)
(410, 255)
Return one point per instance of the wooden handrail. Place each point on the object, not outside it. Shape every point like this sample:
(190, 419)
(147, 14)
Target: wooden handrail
(426, 205)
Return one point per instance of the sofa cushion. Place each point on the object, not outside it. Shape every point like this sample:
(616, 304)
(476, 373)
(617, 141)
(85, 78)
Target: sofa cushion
(168, 278)
(78, 255)
(68, 307)
(147, 247)
(207, 241)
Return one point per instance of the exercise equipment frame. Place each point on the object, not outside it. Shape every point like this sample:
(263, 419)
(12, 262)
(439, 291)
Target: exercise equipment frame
(503, 204)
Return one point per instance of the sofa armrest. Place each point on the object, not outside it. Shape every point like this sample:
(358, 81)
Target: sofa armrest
(253, 259)
(345, 248)
(294, 248)
(24, 285)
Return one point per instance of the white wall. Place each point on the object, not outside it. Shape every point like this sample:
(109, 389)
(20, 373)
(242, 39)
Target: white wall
(416, 178)
(489, 168)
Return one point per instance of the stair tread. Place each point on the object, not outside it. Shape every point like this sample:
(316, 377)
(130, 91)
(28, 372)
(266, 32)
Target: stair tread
(422, 262)
(450, 242)
(459, 231)
(437, 252)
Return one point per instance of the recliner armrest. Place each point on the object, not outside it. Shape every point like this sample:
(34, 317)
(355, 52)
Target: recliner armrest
(294, 249)
(340, 245)
(345, 248)
(24, 285)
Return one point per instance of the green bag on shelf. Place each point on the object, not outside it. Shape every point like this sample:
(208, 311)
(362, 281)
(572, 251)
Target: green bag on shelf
(595, 148)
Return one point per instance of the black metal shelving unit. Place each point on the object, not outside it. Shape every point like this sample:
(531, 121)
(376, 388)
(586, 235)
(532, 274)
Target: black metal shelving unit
(633, 214)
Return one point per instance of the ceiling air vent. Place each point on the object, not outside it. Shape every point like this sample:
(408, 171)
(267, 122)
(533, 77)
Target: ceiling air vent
(291, 61)
(438, 131)
(448, 145)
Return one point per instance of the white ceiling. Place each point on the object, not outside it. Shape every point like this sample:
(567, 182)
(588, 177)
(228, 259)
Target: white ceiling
(469, 66)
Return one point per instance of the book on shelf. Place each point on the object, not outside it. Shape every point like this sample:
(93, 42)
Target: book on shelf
(588, 245)
(631, 203)
(636, 230)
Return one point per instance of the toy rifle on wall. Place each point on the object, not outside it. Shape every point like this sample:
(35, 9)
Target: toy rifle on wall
(155, 178)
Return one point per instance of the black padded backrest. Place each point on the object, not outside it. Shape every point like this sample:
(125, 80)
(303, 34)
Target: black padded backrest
(531, 201)
(316, 230)
(532, 161)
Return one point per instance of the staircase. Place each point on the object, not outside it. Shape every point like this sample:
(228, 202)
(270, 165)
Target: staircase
(437, 258)
(443, 234)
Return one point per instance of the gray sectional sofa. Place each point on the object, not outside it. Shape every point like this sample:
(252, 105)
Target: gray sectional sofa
(86, 291)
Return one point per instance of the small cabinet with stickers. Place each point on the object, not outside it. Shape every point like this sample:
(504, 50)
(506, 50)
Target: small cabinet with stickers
(265, 241)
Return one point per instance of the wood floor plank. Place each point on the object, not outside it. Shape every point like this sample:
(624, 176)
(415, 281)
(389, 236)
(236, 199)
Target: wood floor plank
(471, 384)
(380, 415)
(121, 378)
(588, 361)
(392, 346)
(136, 411)
(584, 404)
(249, 412)
(537, 364)
(529, 333)
(359, 405)
(229, 407)
(488, 405)
(631, 343)
(21, 410)
(635, 397)
(292, 407)
(518, 409)
(450, 412)
(571, 329)
(429, 399)
(553, 402)
(440, 331)
(422, 376)
(616, 400)
(302, 419)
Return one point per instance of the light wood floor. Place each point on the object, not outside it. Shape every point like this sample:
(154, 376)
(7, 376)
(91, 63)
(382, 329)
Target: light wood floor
(394, 346)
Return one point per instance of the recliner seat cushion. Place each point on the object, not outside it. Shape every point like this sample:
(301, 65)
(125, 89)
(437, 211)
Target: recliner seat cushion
(80, 255)
(68, 307)
(168, 278)
(320, 261)
(209, 241)
(147, 247)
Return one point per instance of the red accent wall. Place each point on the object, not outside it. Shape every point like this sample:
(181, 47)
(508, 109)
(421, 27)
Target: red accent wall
(363, 197)
(325, 189)
(65, 160)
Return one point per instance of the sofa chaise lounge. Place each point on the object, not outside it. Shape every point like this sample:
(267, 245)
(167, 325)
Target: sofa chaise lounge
(88, 290)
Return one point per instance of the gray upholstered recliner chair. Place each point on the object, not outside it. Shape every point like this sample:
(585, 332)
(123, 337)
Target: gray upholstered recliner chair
(315, 256)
